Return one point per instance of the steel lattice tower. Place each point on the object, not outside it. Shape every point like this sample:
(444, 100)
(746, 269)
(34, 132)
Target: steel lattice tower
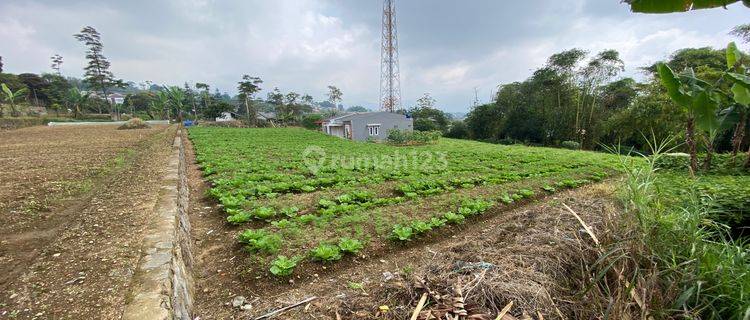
(390, 83)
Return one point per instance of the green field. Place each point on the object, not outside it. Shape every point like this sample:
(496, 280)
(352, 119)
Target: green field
(307, 196)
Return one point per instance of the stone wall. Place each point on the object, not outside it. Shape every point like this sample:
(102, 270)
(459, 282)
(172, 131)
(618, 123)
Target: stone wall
(162, 285)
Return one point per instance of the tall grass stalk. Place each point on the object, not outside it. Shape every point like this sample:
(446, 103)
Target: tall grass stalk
(678, 262)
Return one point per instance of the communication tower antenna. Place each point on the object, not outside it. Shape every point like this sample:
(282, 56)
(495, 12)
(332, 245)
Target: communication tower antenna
(390, 82)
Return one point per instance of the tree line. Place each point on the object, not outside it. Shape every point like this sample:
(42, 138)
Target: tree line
(579, 99)
(89, 95)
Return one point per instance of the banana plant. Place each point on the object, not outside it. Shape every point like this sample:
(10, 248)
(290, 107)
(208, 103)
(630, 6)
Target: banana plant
(669, 6)
(11, 97)
(736, 66)
(176, 97)
(741, 88)
(699, 100)
(162, 103)
(77, 99)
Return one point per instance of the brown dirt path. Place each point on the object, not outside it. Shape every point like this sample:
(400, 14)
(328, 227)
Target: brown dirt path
(530, 238)
(74, 204)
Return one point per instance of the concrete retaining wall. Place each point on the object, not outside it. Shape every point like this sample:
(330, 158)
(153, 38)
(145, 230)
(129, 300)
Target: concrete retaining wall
(162, 286)
(101, 123)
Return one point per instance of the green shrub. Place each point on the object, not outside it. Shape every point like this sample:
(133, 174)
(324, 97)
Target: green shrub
(721, 163)
(309, 121)
(572, 145)
(326, 252)
(403, 137)
(283, 266)
(350, 245)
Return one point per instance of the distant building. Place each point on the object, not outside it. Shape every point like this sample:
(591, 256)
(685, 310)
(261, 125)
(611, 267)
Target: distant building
(224, 117)
(116, 98)
(361, 126)
(113, 98)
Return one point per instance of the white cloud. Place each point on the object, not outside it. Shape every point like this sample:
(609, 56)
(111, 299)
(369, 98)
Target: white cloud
(305, 46)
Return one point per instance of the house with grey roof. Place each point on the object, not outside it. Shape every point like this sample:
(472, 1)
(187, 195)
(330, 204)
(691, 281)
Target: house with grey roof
(366, 125)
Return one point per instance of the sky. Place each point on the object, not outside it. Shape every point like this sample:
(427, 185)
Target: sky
(450, 49)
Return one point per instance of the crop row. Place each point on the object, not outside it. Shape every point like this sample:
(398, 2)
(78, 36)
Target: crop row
(260, 177)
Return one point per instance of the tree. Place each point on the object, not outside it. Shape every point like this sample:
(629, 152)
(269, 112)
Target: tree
(36, 86)
(694, 96)
(742, 32)
(11, 97)
(97, 75)
(310, 121)
(57, 61)
(56, 89)
(205, 94)
(140, 102)
(599, 70)
(426, 101)
(276, 98)
(307, 100)
(484, 122)
(76, 99)
(457, 130)
(334, 95)
(426, 117)
(248, 87)
(738, 74)
(176, 99)
(1, 64)
(216, 108)
(357, 109)
(161, 102)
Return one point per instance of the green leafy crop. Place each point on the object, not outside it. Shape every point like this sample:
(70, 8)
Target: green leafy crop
(402, 233)
(348, 245)
(283, 266)
(326, 252)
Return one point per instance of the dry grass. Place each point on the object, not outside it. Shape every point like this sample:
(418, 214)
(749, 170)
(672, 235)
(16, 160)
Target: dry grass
(135, 123)
(541, 259)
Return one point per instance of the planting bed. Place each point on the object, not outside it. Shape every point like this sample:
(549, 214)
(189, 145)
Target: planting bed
(273, 216)
(74, 202)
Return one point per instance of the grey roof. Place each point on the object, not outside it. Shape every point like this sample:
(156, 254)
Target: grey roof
(355, 114)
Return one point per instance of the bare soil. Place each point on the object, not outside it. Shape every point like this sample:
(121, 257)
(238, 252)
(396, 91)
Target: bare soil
(74, 202)
(532, 255)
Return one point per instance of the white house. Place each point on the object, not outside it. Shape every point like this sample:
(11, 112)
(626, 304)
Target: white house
(116, 98)
(366, 125)
(224, 117)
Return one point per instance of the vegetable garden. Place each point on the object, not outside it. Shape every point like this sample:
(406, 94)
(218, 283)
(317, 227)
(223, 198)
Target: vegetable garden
(294, 205)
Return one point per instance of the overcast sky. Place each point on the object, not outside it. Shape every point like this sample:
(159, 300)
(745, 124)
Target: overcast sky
(447, 48)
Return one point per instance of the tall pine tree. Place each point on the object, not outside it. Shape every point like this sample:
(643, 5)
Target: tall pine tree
(97, 75)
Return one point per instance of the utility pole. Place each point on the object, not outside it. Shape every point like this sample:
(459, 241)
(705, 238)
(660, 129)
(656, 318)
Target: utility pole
(390, 82)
